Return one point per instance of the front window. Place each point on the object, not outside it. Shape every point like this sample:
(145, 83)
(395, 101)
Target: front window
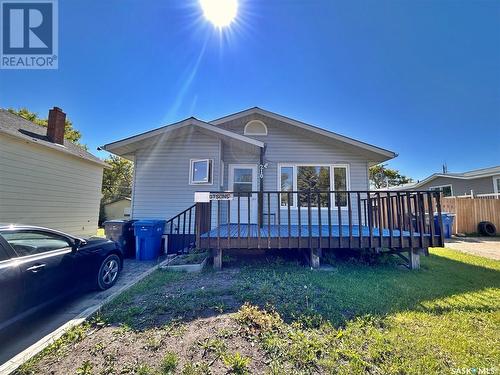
(340, 183)
(314, 178)
(201, 171)
(446, 190)
(287, 179)
(243, 181)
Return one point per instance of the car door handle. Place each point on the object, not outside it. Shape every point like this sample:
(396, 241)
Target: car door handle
(36, 268)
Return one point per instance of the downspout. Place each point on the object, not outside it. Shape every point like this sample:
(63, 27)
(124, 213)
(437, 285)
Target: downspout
(261, 186)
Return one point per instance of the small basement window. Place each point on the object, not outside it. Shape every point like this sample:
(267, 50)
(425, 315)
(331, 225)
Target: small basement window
(201, 171)
(255, 127)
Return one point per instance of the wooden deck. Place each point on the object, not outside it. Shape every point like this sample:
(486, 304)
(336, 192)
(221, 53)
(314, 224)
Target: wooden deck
(244, 230)
(396, 222)
(244, 236)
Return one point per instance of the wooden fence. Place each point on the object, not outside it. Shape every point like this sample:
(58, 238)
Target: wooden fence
(471, 211)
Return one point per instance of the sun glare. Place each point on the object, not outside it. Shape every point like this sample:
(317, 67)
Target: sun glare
(220, 12)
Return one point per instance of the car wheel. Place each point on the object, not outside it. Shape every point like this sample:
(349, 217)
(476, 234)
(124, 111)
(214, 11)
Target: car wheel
(108, 272)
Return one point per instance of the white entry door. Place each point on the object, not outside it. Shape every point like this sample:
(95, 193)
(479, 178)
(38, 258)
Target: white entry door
(243, 179)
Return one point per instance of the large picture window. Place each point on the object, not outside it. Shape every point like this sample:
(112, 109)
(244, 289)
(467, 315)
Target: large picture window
(340, 183)
(314, 178)
(287, 184)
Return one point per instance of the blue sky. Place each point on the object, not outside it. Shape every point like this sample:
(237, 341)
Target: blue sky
(421, 78)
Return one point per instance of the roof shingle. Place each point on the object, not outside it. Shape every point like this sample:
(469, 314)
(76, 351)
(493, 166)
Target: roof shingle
(19, 127)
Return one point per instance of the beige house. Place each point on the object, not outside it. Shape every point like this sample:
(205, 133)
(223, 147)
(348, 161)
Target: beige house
(117, 209)
(46, 180)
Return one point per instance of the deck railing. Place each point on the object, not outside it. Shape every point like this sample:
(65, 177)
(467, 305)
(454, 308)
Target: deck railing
(320, 219)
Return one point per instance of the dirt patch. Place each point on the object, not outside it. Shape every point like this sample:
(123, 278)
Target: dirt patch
(200, 344)
(176, 296)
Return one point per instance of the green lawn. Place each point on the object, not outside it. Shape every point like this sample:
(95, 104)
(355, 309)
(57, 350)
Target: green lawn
(278, 317)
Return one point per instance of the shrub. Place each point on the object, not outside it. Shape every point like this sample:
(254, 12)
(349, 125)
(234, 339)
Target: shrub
(169, 363)
(258, 321)
(237, 363)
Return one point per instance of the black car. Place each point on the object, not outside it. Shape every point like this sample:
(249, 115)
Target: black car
(40, 265)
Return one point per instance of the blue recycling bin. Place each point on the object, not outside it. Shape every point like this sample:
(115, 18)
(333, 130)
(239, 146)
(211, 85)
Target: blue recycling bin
(447, 224)
(148, 235)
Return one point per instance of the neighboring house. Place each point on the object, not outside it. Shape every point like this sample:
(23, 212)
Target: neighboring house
(246, 151)
(117, 209)
(478, 181)
(46, 180)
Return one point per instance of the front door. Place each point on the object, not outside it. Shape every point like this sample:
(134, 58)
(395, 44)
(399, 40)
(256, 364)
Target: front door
(243, 179)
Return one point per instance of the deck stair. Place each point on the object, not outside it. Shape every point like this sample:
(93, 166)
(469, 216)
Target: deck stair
(181, 232)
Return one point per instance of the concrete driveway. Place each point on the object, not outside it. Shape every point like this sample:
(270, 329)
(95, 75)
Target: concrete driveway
(27, 338)
(488, 247)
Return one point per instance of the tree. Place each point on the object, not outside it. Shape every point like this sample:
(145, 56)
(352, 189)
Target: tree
(383, 177)
(70, 133)
(117, 180)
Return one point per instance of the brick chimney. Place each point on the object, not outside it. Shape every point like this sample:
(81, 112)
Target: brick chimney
(56, 123)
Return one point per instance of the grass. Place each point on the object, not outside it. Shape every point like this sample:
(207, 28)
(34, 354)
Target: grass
(358, 318)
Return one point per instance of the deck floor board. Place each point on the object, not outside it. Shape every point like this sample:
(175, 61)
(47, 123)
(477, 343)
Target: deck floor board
(316, 230)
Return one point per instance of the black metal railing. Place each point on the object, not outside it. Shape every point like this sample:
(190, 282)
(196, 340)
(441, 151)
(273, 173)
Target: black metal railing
(181, 231)
(320, 219)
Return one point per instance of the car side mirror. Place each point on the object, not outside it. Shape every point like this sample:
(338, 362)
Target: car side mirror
(79, 242)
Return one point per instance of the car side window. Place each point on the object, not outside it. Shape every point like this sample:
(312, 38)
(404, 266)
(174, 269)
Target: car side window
(3, 254)
(28, 242)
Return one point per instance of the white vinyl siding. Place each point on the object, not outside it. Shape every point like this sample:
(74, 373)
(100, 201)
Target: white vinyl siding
(44, 187)
(161, 187)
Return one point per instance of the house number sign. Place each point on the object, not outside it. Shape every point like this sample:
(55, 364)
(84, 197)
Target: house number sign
(221, 196)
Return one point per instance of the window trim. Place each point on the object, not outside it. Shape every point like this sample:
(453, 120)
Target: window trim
(253, 167)
(495, 184)
(332, 181)
(222, 167)
(255, 121)
(442, 186)
(210, 172)
(347, 184)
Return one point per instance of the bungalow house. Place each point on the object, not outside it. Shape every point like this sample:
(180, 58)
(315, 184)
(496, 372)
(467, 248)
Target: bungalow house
(477, 181)
(247, 169)
(46, 180)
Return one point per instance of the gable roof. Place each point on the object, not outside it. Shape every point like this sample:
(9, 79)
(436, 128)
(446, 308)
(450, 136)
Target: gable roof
(20, 128)
(120, 147)
(469, 175)
(476, 173)
(387, 154)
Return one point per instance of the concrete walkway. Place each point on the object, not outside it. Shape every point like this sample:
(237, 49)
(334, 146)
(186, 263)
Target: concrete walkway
(26, 339)
(488, 247)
